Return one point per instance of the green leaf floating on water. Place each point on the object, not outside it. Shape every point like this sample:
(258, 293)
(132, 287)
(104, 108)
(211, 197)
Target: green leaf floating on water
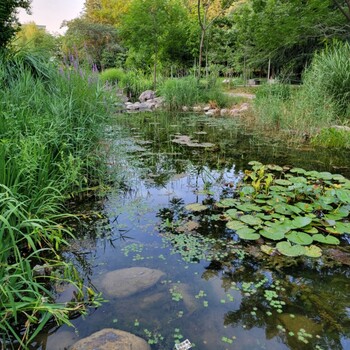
(247, 233)
(326, 239)
(274, 233)
(342, 227)
(235, 225)
(287, 249)
(196, 207)
(283, 182)
(313, 251)
(301, 221)
(227, 203)
(301, 238)
(231, 213)
(297, 170)
(343, 195)
(251, 220)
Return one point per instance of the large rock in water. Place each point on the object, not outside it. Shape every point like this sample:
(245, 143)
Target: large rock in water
(147, 95)
(111, 339)
(125, 282)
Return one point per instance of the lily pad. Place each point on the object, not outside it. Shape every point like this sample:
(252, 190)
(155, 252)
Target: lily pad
(313, 251)
(297, 170)
(283, 209)
(196, 207)
(326, 239)
(272, 233)
(343, 195)
(274, 167)
(235, 225)
(287, 249)
(283, 182)
(301, 238)
(247, 233)
(232, 213)
(251, 220)
(342, 227)
(301, 221)
(226, 203)
(248, 207)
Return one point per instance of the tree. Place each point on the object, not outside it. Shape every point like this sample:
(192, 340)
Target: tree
(208, 11)
(344, 7)
(106, 11)
(93, 43)
(33, 37)
(154, 28)
(9, 24)
(285, 32)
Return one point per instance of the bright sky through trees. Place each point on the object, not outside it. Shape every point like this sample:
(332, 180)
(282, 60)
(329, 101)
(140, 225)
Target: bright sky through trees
(51, 13)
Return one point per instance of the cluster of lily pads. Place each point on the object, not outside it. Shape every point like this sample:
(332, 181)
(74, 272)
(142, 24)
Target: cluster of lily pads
(295, 208)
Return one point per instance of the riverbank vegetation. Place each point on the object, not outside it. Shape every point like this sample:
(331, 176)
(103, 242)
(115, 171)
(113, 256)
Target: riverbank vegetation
(51, 121)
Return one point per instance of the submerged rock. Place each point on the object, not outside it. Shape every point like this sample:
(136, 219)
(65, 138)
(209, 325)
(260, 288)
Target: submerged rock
(125, 282)
(111, 339)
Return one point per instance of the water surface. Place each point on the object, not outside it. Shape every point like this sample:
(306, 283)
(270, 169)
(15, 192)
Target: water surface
(213, 297)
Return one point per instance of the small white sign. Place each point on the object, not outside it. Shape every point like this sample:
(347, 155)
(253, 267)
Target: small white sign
(184, 345)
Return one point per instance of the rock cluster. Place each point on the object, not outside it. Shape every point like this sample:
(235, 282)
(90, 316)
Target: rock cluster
(149, 102)
(212, 112)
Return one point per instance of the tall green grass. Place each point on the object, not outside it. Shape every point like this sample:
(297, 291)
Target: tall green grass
(51, 122)
(188, 91)
(320, 102)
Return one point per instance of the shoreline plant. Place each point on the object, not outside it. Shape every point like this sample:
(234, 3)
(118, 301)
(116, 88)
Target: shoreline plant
(51, 122)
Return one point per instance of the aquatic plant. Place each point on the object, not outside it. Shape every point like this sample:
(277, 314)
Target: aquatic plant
(291, 206)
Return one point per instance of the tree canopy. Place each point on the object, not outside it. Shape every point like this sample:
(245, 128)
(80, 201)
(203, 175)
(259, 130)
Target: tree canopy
(8, 18)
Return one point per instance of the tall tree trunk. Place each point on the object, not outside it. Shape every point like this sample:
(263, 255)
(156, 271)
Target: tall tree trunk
(201, 44)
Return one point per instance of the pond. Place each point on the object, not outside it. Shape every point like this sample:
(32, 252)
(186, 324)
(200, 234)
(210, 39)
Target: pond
(209, 289)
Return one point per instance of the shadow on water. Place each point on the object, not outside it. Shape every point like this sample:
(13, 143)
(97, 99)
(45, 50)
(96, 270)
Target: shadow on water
(216, 291)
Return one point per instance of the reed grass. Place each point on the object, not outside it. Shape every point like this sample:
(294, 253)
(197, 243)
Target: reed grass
(320, 102)
(188, 91)
(51, 121)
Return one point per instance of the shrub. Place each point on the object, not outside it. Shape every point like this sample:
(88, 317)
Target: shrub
(112, 75)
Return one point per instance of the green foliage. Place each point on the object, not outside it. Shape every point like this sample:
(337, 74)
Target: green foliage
(93, 43)
(287, 32)
(51, 121)
(329, 76)
(274, 91)
(8, 19)
(332, 137)
(179, 92)
(135, 82)
(31, 37)
(112, 75)
(321, 101)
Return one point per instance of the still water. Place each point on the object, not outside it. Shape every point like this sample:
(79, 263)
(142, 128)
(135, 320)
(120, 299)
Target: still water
(207, 295)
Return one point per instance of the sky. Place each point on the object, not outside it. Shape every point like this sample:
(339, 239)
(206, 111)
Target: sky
(51, 13)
